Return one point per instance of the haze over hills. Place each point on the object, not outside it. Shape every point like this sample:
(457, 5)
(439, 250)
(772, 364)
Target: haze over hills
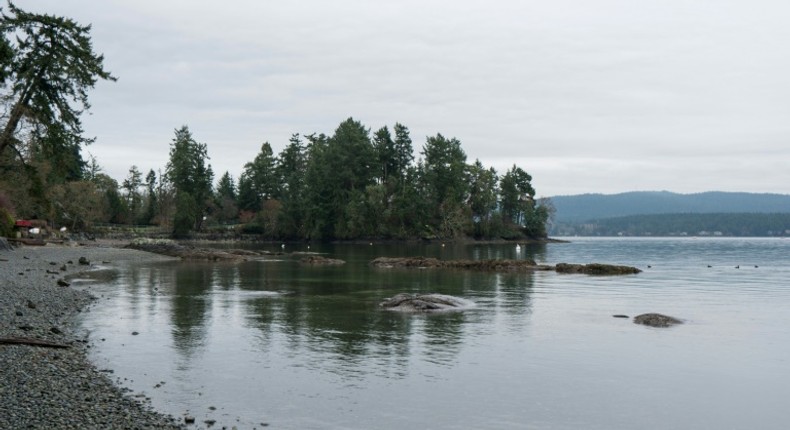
(586, 207)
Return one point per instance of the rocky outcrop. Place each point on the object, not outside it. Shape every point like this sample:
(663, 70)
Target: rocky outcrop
(487, 265)
(173, 249)
(503, 265)
(424, 303)
(656, 320)
(596, 269)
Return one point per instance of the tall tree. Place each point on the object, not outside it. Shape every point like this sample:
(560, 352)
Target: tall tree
(48, 66)
(446, 184)
(403, 153)
(132, 185)
(385, 149)
(262, 175)
(153, 203)
(482, 197)
(291, 170)
(517, 195)
(192, 179)
(226, 199)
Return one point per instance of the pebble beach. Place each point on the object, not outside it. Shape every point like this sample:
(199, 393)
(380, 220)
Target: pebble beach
(55, 386)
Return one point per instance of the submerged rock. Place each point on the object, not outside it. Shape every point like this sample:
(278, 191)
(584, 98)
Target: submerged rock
(596, 269)
(503, 265)
(317, 260)
(424, 303)
(656, 320)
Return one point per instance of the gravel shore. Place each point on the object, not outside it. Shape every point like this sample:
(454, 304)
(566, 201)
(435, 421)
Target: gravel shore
(58, 388)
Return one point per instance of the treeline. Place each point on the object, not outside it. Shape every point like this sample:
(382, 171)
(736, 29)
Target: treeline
(686, 224)
(350, 185)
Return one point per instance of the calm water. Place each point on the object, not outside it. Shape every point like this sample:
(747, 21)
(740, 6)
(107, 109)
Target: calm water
(307, 348)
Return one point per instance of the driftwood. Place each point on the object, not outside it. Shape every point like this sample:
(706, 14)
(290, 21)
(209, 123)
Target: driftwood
(30, 342)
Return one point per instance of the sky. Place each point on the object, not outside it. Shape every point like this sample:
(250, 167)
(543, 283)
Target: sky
(588, 96)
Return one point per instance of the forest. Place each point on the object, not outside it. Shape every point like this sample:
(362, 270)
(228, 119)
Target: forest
(352, 184)
(683, 224)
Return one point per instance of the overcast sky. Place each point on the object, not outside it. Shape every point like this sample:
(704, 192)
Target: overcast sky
(598, 96)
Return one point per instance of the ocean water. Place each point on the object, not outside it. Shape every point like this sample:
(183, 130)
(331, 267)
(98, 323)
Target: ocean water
(272, 343)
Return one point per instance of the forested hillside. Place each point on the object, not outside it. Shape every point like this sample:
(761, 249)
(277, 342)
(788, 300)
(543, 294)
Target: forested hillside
(708, 224)
(585, 207)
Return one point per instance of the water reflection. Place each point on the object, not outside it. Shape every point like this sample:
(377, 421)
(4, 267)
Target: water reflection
(327, 312)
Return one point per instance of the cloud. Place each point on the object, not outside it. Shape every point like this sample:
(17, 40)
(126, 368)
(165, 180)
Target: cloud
(571, 89)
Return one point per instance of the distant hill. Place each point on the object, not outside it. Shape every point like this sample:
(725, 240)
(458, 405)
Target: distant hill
(685, 224)
(586, 207)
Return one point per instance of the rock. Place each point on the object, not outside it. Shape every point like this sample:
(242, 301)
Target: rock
(423, 303)
(31, 305)
(173, 249)
(503, 265)
(189, 419)
(620, 316)
(84, 261)
(596, 269)
(656, 320)
(19, 313)
(135, 333)
(63, 268)
(63, 283)
(317, 260)
(56, 330)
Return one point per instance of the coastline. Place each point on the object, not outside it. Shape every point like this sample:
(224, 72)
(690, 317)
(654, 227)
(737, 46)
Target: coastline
(44, 387)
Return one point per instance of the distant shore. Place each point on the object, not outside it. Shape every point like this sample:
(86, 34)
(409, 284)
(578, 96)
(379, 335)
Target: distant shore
(58, 387)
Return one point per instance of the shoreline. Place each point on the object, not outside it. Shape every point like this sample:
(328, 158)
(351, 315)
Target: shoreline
(44, 387)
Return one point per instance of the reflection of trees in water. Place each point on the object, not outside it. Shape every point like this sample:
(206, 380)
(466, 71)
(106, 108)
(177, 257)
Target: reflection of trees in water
(339, 325)
(529, 251)
(443, 337)
(190, 305)
(329, 317)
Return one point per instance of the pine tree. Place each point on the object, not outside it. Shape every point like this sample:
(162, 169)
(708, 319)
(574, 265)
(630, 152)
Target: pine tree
(47, 68)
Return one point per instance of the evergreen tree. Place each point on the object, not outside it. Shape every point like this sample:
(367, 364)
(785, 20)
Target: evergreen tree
(262, 175)
(291, 170)
(385, 149)
(403, 153)
(132, 185)
(444, 173)
(226, 199)
(482, 197)
(48, 65)
(192, 179)
(517, 202)
(153, 206)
